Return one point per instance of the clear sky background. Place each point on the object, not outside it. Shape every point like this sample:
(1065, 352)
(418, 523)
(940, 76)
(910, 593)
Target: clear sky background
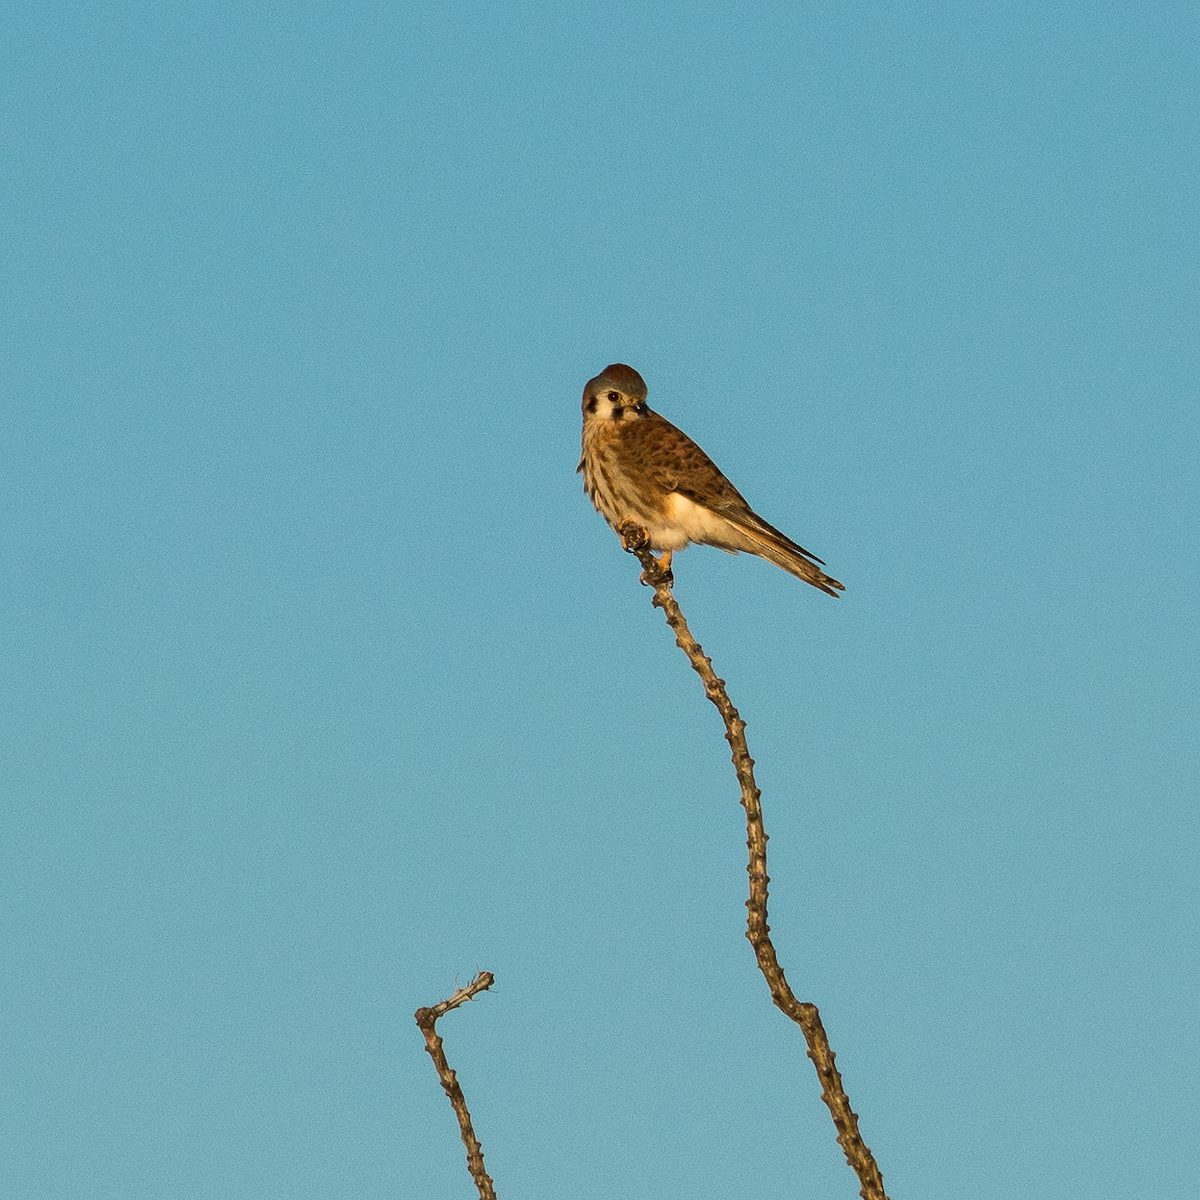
(324, 687)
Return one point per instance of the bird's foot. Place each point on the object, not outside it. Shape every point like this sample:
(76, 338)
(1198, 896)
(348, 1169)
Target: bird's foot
(660, 573)
(656, 575)
(656, 572)
(634, 538)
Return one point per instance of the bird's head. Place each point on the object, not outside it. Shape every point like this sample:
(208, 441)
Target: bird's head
(617, 392)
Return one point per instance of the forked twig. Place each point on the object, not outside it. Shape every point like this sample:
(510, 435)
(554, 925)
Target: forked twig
(845, 1120)
(427, 1019)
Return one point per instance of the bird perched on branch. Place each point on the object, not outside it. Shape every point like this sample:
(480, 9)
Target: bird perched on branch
(638, 467)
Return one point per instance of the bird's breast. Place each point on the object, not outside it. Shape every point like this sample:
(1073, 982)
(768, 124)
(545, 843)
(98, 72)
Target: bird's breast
(617, 477)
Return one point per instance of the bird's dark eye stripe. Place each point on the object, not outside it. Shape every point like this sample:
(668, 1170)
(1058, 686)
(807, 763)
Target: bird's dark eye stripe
(591, 404)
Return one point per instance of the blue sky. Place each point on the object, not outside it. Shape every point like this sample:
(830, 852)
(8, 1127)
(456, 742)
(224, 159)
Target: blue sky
(324, 687)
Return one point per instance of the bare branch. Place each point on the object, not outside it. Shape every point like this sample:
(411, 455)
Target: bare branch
(654, 574)
(427, 1019)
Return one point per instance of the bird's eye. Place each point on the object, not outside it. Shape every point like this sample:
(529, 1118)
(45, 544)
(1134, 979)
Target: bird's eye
(614, 396)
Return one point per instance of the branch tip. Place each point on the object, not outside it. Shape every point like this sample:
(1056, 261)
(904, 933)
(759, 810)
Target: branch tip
(427, 1019)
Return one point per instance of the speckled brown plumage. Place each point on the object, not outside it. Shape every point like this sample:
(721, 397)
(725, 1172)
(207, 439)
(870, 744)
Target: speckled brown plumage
(639, 467)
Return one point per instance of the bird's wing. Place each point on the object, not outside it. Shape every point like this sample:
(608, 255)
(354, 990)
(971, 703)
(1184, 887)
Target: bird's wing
(677, 464)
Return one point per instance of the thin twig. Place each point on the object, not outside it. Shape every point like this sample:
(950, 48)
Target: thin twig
(427, 1019)
(845, 1121)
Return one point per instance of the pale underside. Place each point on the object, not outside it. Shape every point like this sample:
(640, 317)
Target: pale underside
(686, 521)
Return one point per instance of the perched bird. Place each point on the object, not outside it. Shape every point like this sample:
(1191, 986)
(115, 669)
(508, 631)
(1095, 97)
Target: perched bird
(638, 467)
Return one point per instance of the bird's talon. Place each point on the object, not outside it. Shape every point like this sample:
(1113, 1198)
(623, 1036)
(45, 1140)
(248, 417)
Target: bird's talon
(657, 575)
(633, 537)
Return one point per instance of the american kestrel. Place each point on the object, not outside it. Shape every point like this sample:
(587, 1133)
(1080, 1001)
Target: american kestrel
(638, 467)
